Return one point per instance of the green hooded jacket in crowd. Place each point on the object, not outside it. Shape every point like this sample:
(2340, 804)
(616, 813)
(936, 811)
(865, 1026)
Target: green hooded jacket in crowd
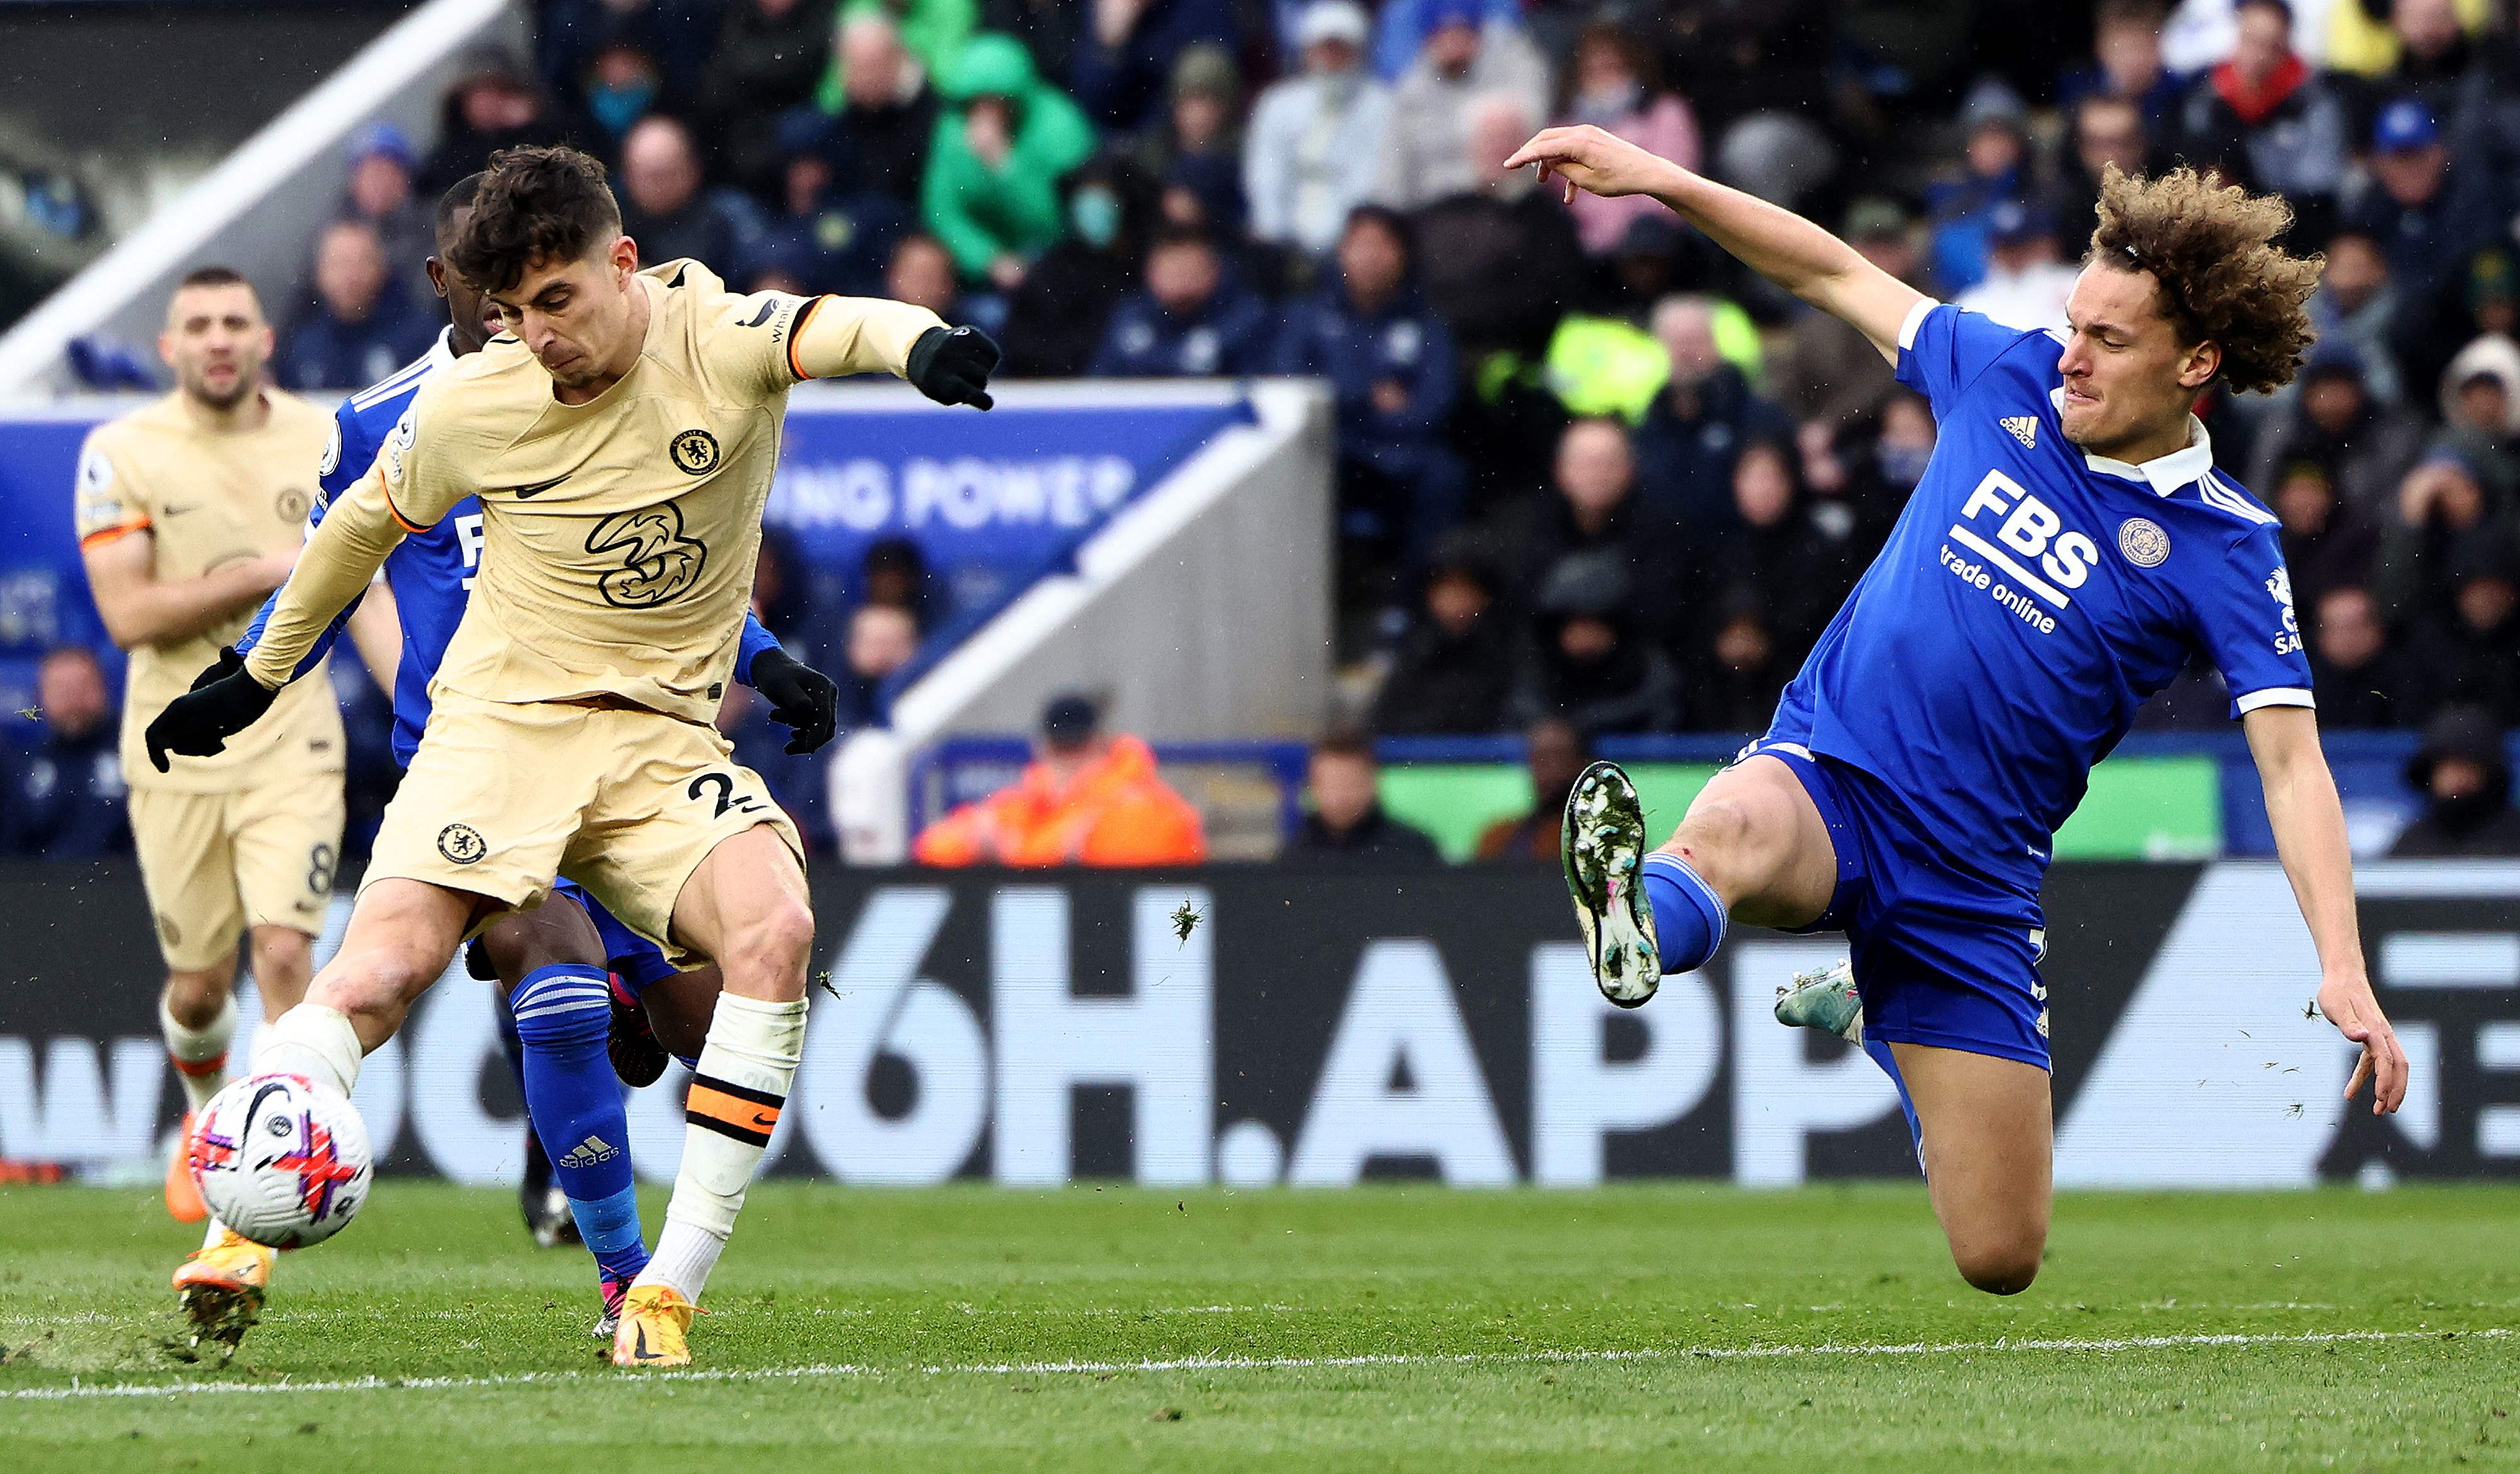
(981, 212)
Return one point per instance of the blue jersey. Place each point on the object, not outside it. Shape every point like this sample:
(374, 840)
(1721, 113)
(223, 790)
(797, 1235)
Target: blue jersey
(430, 572)
(2029, 601)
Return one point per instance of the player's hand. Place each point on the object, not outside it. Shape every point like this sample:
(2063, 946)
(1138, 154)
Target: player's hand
(801, 698)
(953, 365)
(2349, 1006)
(1594, 159)
(222, 703)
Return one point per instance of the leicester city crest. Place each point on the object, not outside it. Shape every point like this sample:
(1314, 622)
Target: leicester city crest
(2144, 542)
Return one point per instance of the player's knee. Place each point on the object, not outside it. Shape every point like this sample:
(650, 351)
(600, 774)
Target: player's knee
(2000, 1266)
(194, 996)
(379, 981)
(1717, 839)
(279, 949)
(776, 946)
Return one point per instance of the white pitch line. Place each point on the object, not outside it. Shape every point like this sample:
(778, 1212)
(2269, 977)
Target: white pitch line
(839, 1370)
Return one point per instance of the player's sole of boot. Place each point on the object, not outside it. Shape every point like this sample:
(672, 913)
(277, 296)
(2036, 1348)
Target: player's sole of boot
(1603, 843)
(219, 1315)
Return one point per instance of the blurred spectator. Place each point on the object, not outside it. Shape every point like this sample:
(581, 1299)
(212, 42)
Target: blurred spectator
(491, 104)
(1741, 667)
(1189, 322)
(2440, 505)
(795, 780)
(1456, 669)
(2436, 63)
(1089, 798)
(676, 33)
(2363, 447)
(1593, 507)
(1346, 821)
(2464, 773)
(2472, 655)
(2480, 406)
(2326, 544)
(1830, 372)
(2356, 308)
(2025, 284)
(883, 639)
(921, 272)
(2107, 130)
(362, 327)
(61, 785)
(1995, 124)
(1616, 85)
(884, 109)
(1002, 146)
(2266, 117)
(2422, 225)
(663, 205)
(1773, 542)
(895, 572)
(378, 189)
(930, 33)
(1316, 139)
(622, 86)
(1050, 30)
(1391, 364)
(1504, 277)
(1553, 756)
(1055, 320)
(1700, 422)
(2358, 682)
(1591, 665)
(1429, 151)
(1198, 147)
(796, 601)
(1126, 55)
(770, 56)
(1401, 29)
(830, 235)
(2125, 62)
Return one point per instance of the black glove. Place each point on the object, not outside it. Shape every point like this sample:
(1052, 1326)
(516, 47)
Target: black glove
(801, 698)
(952, 365)
(223, 702)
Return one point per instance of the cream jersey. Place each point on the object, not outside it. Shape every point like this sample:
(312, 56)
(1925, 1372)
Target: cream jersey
(619, 535)
(207, 499)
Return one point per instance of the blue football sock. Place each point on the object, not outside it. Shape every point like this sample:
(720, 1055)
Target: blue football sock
(1688, 915)
(508, 1043)
(565, 1016)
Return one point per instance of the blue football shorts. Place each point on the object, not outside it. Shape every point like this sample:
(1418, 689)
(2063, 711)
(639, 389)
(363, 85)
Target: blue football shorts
(1941, 958)
(633, 958)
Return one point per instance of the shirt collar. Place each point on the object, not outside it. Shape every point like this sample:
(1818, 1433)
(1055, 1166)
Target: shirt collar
(441, 353)
(2165, 473)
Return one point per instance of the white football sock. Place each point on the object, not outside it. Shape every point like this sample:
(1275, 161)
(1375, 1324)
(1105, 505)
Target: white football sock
(200, 1055)
(741, 1085)
(312, 1040)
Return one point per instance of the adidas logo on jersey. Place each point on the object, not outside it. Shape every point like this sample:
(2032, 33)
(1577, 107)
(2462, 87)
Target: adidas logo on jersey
(588, 1152)
(2024, 427)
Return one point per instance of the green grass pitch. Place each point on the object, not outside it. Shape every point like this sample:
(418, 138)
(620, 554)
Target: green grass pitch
(967, 1328)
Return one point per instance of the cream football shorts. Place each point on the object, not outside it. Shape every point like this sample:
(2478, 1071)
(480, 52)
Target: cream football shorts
(218, 862)
(503, 796)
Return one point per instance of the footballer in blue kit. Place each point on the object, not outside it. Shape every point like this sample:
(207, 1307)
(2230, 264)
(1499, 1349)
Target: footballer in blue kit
(587, 998)
(2069, 548)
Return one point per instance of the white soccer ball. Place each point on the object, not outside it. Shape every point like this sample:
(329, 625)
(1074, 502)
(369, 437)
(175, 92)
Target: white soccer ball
(281, 1160)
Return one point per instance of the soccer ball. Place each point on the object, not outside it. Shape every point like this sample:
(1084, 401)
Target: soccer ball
(281, 1160)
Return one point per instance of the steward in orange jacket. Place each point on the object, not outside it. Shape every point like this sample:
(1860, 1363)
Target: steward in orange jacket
(1087, 800)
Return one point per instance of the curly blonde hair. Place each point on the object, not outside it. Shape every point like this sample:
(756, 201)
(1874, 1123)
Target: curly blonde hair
(2211, 247)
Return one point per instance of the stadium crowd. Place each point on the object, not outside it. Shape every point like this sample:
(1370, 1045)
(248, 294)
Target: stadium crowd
(1589, 470)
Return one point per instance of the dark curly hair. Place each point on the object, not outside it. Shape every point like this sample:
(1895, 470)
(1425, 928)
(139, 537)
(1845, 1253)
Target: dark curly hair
(2224, 279)
(533, 204)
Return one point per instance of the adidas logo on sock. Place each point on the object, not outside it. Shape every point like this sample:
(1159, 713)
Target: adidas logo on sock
(588, 1152)
(2024, 427)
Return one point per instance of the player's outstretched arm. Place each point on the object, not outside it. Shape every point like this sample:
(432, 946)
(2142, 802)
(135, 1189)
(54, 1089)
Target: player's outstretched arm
(866, 335)
(802, 699)
(1776, 242)
(2309, 823)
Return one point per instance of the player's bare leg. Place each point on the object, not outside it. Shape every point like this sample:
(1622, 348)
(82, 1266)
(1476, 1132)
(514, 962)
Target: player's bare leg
(747, 908)
(1987, 1132)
